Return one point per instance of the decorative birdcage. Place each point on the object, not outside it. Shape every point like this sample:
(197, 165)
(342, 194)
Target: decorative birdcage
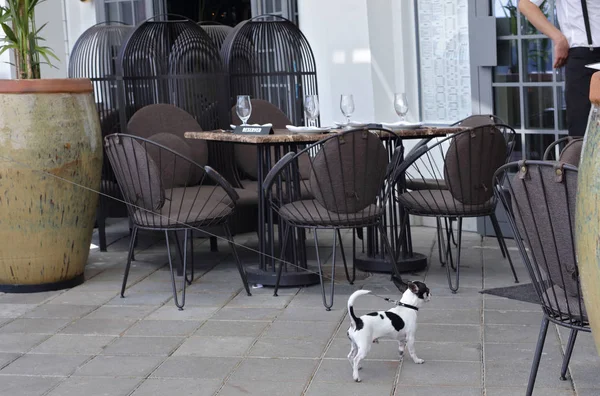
(217, 31)
(94, 56)
(174, 61)
(268, 57)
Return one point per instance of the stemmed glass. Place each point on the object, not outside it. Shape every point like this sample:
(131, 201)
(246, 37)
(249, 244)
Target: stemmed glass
(311, 107)
(243, 108)
(401, 105)
(347, 106)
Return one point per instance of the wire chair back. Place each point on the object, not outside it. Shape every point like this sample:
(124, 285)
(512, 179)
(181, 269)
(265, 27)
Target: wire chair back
(217, 32)
(569, 150)
(165, 190)
(540, 201)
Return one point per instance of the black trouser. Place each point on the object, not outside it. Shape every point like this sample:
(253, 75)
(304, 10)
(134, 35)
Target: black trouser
(577, 87)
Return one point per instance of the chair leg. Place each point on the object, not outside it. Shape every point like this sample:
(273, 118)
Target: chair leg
(327, 305)
(538, 354)
(286, 233)
(129, 258)
(451, 219)
(351, 281)
(214, 247)
(191, 279)
(502, 244)
(238, 263)
(101, 222)
(449, 258)
(388, 246)
(568, 352)
(441, 244)
(184, 283)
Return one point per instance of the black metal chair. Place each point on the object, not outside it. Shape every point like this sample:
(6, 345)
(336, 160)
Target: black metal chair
(168, 192)
(541, 205)
(461, 166)
(350, 183)
(570, 150)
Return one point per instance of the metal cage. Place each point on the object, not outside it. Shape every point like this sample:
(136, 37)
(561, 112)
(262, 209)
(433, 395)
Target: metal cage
(268, 57)
(175, 62)
(217, 31)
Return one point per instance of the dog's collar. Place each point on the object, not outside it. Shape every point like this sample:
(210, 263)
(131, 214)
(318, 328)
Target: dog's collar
(407, 305)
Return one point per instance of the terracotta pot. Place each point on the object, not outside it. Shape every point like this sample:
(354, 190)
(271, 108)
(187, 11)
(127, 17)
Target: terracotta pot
(588, 213)
(50, 156)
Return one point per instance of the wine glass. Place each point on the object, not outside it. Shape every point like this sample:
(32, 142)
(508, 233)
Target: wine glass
(401, 105)
(311, 107)
(243, 108)
(347, 106)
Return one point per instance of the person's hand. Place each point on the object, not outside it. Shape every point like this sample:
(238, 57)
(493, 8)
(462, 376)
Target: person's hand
(561, 51)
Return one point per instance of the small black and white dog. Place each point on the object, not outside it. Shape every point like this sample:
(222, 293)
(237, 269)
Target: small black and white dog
(399, 323)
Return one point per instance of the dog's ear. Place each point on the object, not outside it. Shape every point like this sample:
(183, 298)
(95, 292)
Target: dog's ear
(413, 287)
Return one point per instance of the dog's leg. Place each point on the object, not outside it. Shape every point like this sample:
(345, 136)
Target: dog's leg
(410, 343)
(353, 350)
(360, 355)
(401, 344)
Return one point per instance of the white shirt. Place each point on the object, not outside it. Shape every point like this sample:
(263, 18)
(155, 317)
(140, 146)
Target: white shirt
(572, 25)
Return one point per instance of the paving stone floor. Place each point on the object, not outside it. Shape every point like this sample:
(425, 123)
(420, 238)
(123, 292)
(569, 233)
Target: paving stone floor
(88, 341)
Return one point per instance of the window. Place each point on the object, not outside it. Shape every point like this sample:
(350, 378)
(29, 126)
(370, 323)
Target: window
(528, 92)
(285, 8)
(130, 12)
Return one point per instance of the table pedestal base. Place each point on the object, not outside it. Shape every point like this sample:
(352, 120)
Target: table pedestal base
(293, 278)
(363, 262)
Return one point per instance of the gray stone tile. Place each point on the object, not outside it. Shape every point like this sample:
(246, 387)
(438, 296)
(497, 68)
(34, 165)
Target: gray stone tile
(11, 385)
(373, 371)
(261, 388)
(215, 346)
(231, 328)
(14, 310)
(314, 300)
(170, 312)
(208, 299)
(6, 358)
(45, 365)
(163, 328)
(588, 392)
(278, 370)
(449, 316)
(27, 298)
(512, 317)
(260, 301)
(500, 374)
(179, 387)
(348, 389)
(286, 348)
(301, 330)
(73, 344)
(143, 346)
(112, 327)
(84, 297)
(20, 343)
(521, 353)
(466, 374)
(505, 304)
(119, 366)
(142, 298)
(385, 350)
(205, 286)
(312, 314)
(95, 386)
(452, 351)
(414, 390)
(585, 375)
(455, 302)
(511, 334)
(57, 311)
(196, 367)
(121, 312)
(538, 390)
(247, 314)
(448, 333)
(39, 326)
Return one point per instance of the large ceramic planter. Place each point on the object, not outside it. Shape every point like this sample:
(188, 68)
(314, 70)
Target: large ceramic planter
(50, 164)
(588, 213)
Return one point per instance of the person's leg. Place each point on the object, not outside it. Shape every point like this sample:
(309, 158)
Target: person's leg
(577, 88)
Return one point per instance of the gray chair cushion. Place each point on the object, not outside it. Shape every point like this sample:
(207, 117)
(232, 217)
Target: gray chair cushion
(426, 184)
(470, 163)
(186, 212)
(545, 223)
(263, 112)
(441, 202)
(304, 190)
(166, 118)
(201, 193)
(311, 212)
(348, 172)
(563, 303)
(139, 175)
(175, 172)
(571, 154)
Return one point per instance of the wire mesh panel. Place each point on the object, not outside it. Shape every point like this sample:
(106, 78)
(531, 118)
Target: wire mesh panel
(174, 62)
(268, 57)
(217, 31)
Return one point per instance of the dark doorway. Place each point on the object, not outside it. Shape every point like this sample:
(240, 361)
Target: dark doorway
(227, 12)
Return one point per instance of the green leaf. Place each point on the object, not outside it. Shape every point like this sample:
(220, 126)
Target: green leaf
(9, 33)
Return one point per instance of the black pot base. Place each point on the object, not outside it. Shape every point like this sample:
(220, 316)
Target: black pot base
(288, 279)
(416, 263)
(78, 280)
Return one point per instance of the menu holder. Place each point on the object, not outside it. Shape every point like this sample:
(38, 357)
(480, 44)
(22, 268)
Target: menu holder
(253, 130)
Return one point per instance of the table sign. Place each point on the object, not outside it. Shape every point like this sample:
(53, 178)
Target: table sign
(253, 130)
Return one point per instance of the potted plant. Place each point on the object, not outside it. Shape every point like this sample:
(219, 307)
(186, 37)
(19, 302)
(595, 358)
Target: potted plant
(50, 163)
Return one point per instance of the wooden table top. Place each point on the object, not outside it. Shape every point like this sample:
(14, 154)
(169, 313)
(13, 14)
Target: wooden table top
(285, 136)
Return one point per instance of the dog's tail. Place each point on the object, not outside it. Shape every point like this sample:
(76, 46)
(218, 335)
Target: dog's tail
(353, 318)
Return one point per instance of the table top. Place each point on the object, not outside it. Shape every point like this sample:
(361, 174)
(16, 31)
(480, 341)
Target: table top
(285, 136)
